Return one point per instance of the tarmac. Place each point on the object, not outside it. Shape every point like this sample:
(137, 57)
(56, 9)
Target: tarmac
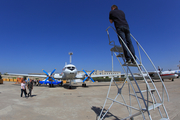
(78, 103)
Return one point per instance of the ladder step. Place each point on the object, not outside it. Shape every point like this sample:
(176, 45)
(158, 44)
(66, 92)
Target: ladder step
(120, 55)
(132, 65)
(141, 99)
(131, 116)
(155, 106)
(117, 49)
(152, 90)
(164, 119)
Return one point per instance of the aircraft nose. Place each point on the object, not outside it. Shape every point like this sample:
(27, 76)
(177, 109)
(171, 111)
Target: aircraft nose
(176, 75)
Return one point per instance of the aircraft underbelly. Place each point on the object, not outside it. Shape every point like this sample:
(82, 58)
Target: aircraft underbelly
(169, 76)
(165, 76)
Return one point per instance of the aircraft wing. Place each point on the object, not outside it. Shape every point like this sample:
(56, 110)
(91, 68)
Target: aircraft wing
(93, 76)
(31, 75)
(105, 75)
(28, 75)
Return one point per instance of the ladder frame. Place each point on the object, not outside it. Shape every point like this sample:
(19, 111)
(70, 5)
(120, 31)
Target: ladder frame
(148, 88)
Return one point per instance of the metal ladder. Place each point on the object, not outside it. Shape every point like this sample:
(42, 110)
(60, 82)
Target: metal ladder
(142, 99)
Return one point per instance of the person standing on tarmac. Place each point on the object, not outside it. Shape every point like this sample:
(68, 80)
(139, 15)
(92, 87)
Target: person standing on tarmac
(118, 17)
(23, 88)
(30, 87)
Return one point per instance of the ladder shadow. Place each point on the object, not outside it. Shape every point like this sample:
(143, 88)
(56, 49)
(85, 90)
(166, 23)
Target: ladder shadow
(97, 110)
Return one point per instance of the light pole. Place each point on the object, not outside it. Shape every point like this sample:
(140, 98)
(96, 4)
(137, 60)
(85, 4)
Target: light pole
(70, 53)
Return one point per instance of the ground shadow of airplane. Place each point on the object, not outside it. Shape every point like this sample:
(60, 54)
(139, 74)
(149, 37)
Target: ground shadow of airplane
(97, 110)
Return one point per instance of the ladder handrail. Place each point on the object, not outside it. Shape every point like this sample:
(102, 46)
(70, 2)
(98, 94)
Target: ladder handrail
(153, 66)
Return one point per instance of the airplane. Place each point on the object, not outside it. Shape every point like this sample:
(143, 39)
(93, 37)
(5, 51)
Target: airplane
(69, 73)
(164, 75)
(171, 75)
(167, 74)
(173, 72)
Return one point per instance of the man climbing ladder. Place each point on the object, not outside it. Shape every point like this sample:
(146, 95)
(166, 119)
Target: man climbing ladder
(122, 28)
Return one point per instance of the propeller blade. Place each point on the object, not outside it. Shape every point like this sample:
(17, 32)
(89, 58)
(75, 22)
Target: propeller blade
(85, 72)
(46, 79)
(91, 72)
(92, 79)
(85, 79)
(53, 79)
(46, 72)
(53, 71)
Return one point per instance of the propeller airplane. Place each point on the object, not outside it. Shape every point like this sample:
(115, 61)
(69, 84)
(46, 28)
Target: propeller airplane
(69, 73)
(171, 75)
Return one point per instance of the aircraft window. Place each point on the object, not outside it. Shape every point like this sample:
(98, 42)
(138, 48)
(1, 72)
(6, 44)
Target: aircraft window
(71, 68)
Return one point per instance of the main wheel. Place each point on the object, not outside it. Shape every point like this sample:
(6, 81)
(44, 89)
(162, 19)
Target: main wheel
(69, 87)
(60, 84)
(83, 85)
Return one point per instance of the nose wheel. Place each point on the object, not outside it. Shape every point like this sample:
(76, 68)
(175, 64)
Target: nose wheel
(84, 85)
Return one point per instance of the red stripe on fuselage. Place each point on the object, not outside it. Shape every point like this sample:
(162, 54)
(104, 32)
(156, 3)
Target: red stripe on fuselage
(166, 74)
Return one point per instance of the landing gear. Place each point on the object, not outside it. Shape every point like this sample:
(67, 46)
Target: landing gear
(50, 84)
(172, 79)
(69, 87)
(84, 85)
(60, 84)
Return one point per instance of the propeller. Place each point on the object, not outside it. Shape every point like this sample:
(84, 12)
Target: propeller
(88, 76)
(49, 75)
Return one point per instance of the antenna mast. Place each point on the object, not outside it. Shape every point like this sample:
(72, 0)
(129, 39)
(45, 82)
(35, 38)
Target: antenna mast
(70, 53)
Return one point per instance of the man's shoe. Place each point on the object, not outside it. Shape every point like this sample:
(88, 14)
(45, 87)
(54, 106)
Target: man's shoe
(128, 61)
(133, 62)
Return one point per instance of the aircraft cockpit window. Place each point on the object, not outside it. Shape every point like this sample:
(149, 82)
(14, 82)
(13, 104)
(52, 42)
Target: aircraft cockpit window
(71, 68)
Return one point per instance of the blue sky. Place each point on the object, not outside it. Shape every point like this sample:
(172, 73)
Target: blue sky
(39, 34)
